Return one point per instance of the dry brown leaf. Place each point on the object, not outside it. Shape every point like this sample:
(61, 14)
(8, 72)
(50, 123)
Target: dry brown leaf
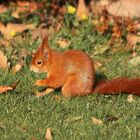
(11, 29)
(24, 7)
(41, 32)
(102, 27)
(3, 9)
(28, 6)
(63, 43)
(16, 68)
(125, 8)
(48, 134)
(138, 27)
(135, 61)
(46, 92)
(3, 62)
(133, 39)
(98, 7)
(130, 98)
(5, 89)
(104, 2)
(16, 13)
(97, 121)
(117, 32)
(82, 10)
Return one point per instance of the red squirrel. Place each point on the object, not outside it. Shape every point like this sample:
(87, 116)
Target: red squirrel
(74, 73)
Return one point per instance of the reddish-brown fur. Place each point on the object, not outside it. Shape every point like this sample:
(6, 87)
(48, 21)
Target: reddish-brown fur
(73, 71)
(118, 85)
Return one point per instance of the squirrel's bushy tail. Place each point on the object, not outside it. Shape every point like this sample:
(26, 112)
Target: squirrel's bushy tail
(115, 86)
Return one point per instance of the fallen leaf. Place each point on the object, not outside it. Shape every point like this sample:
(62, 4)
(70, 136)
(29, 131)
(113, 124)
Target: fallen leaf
(15, 14)
(40, 32)
(97, 121)
(48, 134)
(25, 7)
(98, 7)
(133, 39)
(130, 98)
(43, 93)
(138, 26)
(135, 61)
(3, 62)
(95, 22)
(16, 68)
(124, 8)
(24, 53)
(12, 29)
(5, 89)
(116, 32)
(3, 9)
(104, 2)
(63, 43)
(82, 10)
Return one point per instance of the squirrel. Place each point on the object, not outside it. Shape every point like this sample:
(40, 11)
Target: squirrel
(74, 73)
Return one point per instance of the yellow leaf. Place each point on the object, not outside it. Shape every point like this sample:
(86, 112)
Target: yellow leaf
(16, 68)
(96, 121)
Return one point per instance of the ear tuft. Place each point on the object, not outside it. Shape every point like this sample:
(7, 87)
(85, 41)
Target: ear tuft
(45, 44)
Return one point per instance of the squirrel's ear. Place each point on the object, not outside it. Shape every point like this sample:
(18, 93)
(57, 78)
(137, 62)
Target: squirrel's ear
(45, 45)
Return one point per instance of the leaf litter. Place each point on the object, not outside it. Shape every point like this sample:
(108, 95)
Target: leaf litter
(49, 134)
(97, 121)
(3, 62)
(4, 89)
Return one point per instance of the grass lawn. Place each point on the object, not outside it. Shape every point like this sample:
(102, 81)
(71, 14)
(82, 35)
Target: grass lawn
(25, 117)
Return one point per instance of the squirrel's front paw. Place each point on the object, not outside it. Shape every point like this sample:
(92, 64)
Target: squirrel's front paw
(39, 83)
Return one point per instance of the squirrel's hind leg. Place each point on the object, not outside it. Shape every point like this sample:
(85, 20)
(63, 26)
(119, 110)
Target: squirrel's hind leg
(75, 87)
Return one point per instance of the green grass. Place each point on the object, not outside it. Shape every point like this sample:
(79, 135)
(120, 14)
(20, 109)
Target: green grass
(23, 116)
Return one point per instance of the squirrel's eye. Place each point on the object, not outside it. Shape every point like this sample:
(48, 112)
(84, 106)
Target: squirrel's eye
(39, 62)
